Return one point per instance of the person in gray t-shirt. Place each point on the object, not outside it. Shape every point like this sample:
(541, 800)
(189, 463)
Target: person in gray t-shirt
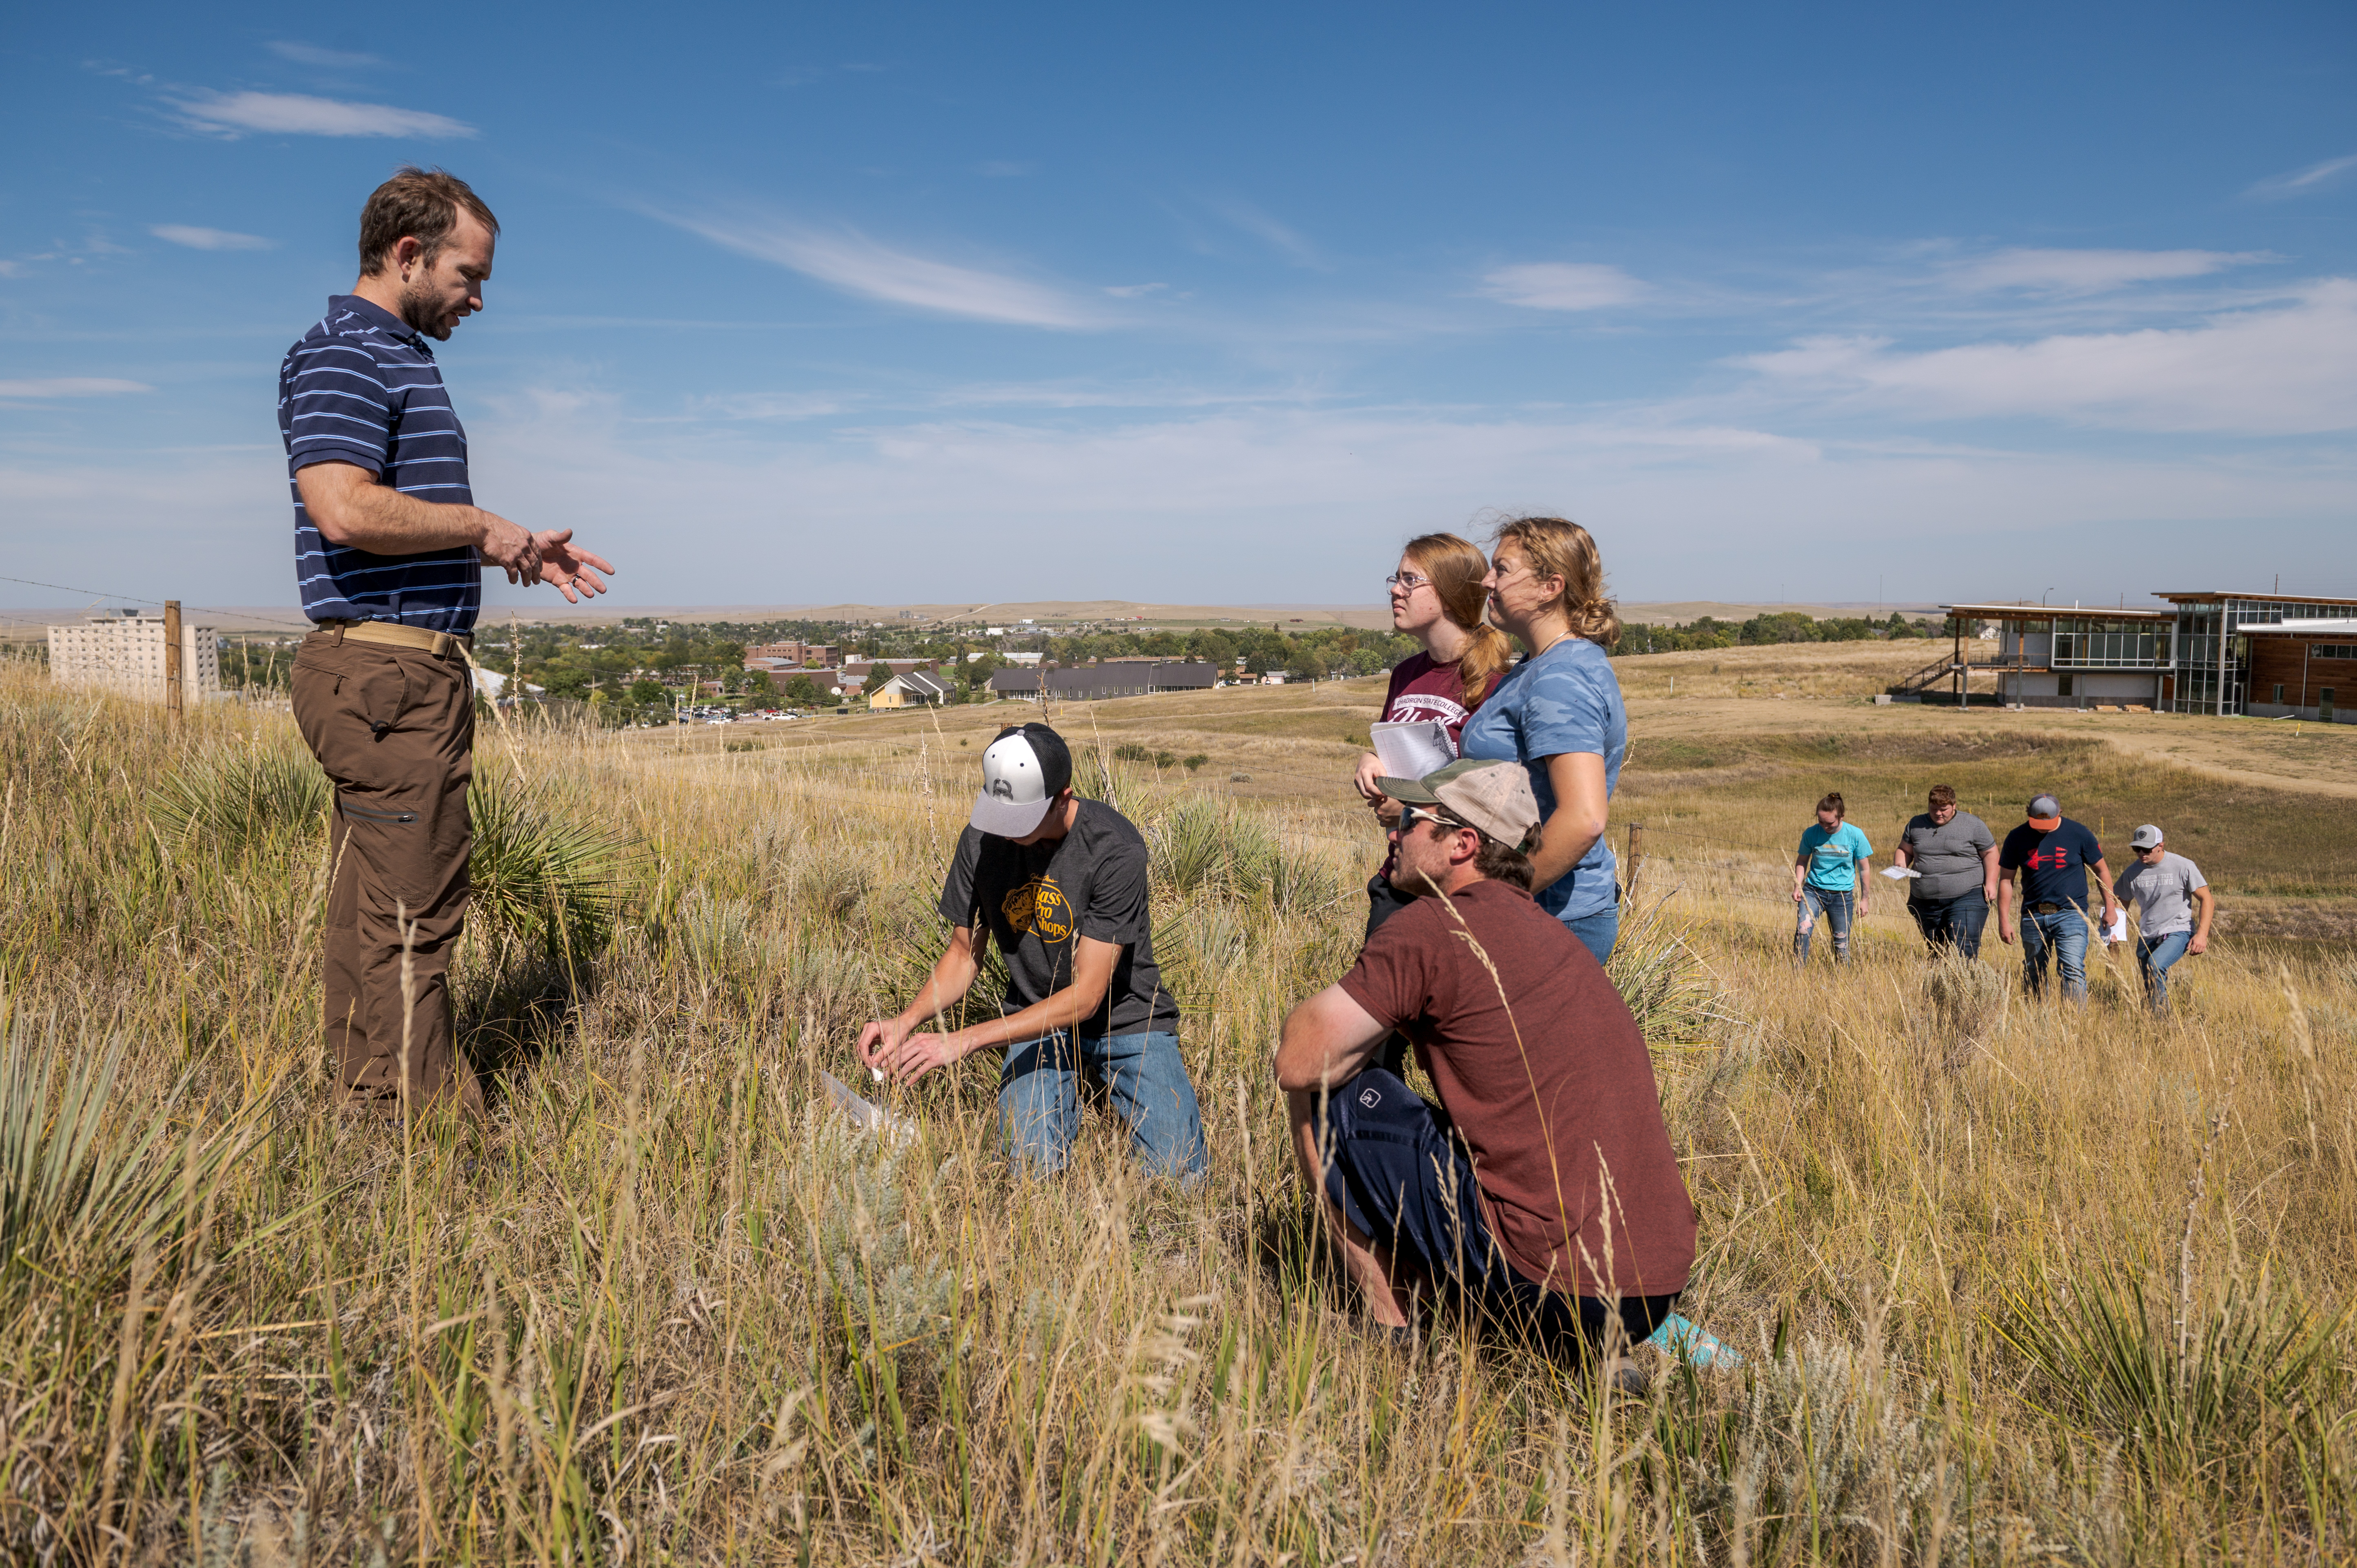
(1954, 855)
(2167, 888)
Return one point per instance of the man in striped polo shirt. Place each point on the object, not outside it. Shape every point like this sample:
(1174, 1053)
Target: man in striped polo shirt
(389, 552)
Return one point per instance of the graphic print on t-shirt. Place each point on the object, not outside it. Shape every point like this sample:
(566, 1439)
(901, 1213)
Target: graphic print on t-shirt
(1039, 905)
(1423, 707)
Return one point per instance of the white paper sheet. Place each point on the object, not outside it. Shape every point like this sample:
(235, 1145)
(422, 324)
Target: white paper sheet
(1899, 872)
(1413, 749)
(2118, 931)
(864, 1114)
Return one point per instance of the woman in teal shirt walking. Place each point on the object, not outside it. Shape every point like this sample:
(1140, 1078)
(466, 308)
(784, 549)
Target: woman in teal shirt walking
(1829, 878)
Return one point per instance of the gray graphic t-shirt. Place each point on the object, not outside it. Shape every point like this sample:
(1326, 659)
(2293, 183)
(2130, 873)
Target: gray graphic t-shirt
(2163, 893)
(1037, 900)
(1949, 857)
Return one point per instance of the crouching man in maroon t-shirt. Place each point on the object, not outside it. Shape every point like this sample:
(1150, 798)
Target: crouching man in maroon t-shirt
(1543, 1190)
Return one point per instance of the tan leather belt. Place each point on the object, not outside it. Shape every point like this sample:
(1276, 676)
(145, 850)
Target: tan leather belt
(441, 644)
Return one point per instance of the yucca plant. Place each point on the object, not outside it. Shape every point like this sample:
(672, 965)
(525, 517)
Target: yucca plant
(86, 1186)
(236, 798)
(551, 885)
(2182, 1395)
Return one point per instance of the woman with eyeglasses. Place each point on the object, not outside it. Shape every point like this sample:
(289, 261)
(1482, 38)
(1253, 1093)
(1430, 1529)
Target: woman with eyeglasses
(1558, 712)
(1436, 598)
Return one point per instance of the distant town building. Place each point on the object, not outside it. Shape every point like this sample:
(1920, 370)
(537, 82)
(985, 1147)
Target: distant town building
(1088, 682)
(2264, 655)
(777, 655)
(917, 689)
(125, 653)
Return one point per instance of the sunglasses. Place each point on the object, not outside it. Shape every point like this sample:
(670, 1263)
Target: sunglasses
(1411, 815)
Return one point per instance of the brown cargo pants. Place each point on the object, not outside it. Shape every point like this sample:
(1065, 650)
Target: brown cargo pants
(394, 727)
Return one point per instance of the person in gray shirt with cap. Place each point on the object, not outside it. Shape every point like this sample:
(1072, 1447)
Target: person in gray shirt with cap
(1954, 856)
(2167, 888)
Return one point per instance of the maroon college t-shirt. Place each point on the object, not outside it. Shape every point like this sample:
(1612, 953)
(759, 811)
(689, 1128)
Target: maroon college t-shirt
(1422, 691)
(1552, 1094)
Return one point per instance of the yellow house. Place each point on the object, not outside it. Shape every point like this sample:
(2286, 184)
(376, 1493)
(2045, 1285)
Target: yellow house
(916, 689)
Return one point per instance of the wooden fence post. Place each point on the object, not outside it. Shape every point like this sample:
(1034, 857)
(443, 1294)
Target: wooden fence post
(1636, 856)
(172, 671)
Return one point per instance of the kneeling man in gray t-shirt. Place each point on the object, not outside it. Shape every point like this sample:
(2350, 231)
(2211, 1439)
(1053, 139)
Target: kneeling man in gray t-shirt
(2165, 887)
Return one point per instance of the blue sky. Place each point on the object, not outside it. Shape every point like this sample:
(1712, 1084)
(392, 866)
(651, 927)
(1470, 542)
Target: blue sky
(796, 305)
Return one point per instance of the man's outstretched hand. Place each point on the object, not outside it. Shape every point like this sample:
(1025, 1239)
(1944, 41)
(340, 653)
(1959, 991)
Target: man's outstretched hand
(891, 1046)
(566, 565)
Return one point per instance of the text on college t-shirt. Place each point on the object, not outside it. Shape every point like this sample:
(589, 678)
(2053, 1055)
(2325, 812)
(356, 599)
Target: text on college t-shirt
(1566, 700)
(1554, 1096)
(1833, 854)
(1035, 901)
(2053, 862)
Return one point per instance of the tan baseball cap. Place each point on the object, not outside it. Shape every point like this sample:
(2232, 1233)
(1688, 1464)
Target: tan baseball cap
(1488, 794)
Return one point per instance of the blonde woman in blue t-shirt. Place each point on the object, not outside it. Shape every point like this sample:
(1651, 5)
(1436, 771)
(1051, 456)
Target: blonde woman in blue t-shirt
(1829, 878)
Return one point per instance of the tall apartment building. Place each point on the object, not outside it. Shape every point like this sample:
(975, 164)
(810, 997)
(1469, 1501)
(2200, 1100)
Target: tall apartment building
(125, 653)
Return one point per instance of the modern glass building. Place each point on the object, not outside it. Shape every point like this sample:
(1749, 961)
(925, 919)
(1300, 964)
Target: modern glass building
(2192, 657)
(2214, 656)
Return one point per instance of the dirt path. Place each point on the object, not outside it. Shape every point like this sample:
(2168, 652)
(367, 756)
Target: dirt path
(2317, 759)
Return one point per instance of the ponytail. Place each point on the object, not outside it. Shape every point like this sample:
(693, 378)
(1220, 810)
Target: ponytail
(1558, 547)
(1457, 568)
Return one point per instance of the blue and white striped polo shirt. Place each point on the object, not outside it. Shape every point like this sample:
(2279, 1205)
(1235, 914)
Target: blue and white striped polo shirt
(361, 387)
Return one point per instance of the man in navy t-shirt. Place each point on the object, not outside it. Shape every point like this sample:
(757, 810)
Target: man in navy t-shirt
(2051, 855)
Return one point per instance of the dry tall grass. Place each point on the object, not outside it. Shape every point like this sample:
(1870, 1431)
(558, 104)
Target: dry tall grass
(2011, 1282)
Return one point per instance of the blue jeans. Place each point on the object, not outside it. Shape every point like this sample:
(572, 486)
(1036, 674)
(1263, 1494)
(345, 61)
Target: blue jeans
(1039, 1099)
(1598, 932)
(2154, 955)
(1400, 1177)
(1836, 905)
(1951, 922)
(2064, 932)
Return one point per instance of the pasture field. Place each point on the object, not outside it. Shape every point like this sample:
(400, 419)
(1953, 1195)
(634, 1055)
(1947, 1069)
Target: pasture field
(2012, 1282)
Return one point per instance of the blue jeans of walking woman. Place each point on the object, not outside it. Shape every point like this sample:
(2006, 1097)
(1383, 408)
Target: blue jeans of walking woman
(1835, 906)
(1040, 1101)
(2062, 933)
(2154, 956)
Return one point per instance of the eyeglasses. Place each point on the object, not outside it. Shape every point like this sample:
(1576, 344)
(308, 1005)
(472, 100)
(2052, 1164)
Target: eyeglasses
(1411, 815)
(1409, 581)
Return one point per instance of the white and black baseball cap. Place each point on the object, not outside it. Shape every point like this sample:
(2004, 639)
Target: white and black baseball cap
(2145, 837)
(1023, 771)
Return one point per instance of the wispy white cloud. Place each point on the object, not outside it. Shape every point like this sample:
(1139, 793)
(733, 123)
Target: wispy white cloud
(1563, 285)
(1283, 240)
(70, 386)
(2300, 182)
(2272, 371)
(1133, 290)
(2090, 272)
(199, 238)
(325, 58)
(300, 114)
(849, 260)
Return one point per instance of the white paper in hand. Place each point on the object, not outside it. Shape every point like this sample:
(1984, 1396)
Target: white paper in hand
(1414, 748)
(1899, 872)
(2118, 929)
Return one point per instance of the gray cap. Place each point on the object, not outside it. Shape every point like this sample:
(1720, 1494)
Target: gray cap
(2045, 806)
(2145, 837)
(1488, 794)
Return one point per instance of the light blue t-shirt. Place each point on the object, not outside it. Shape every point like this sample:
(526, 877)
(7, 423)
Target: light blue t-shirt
(1833, 854)
(1567, 699)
